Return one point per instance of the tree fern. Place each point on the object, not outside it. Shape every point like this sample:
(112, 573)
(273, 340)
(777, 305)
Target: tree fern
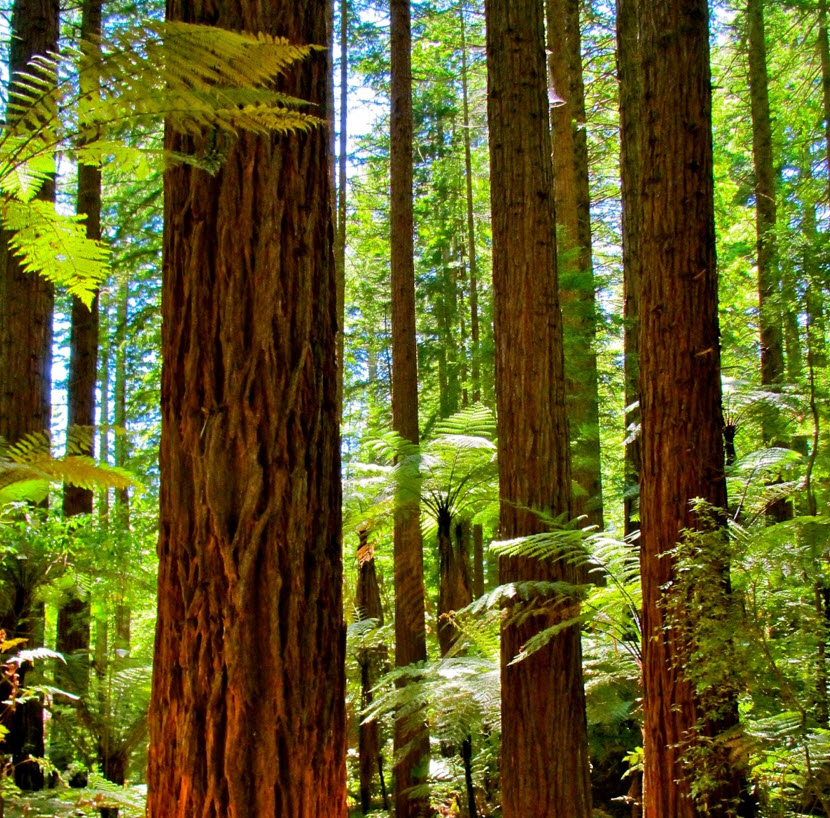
(199, 80)
(28, 468)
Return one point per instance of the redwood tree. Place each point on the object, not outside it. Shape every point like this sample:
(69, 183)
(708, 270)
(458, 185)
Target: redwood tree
(629, 75)
(26, 303)
(544, 764)
(680, 390)
(410, 626)
(247, 714)
(72, 638)
(576, 279)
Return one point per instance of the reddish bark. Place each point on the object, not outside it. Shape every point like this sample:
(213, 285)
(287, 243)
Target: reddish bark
(410, 626)
(629, 74)
(26, 303)
(572, 204)
(544, 744)
(680, 393)
(247, 715)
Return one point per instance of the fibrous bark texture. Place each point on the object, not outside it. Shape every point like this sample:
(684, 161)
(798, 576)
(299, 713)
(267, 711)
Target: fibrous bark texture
(680, 392)
(247, 716)
(26, 299)
(410, 626)
(544, 747)
(26, 303)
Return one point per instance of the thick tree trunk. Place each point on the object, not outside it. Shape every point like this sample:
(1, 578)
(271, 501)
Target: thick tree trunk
(576, 278)
(629, 75)
(544, 744)
(682, 447)
(247, 715)
(369, 605)
(26, 304)
(410, 625)
(26, 299)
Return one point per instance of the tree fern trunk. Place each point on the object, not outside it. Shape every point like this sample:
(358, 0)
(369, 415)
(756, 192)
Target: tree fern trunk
(369, 605)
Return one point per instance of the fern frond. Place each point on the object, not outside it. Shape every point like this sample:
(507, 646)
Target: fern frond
(28, 467)
(56, 246)
(198, 79)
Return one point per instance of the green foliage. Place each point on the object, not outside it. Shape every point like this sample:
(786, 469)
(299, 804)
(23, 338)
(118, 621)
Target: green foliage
(206, 82)
(28, 468)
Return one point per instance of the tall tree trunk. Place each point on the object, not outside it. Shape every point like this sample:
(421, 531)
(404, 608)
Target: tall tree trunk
(369, 605)
(680, 394)
(410, 625)
(247, 715)
(576, 278)
(544, 742)
(73, 616)
(26, 304)
(340, 237)
(824, 55)
(629, 75)
(769, 279)
(769, 276)
(472, 257)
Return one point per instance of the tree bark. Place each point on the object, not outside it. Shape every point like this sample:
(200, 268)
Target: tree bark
(247, 715)
(340, 242)
(629, 75)
(680, 392)
(410, 626)
(544, 745)
(572, 203)
(73, 617)
(824, 56)
(769, 280)
(454, 590)
(26, 304)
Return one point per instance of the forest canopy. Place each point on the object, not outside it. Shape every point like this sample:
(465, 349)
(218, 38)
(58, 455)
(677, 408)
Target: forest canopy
(415, 408)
